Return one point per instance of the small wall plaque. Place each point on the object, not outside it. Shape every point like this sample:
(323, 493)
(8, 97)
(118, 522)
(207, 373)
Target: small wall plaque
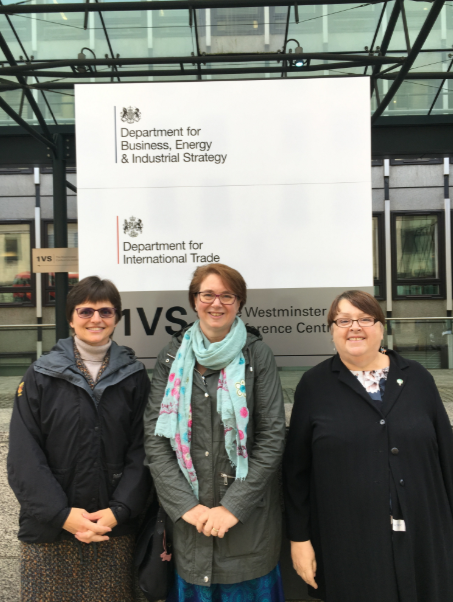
(55, 260)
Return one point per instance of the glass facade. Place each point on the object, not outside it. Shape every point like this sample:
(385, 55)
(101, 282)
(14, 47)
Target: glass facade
(417, 255)
(417, 246)
(15, 258)
(353, 29)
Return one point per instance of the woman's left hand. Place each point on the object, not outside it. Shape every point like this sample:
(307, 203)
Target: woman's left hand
(103, 517)
(216, 521)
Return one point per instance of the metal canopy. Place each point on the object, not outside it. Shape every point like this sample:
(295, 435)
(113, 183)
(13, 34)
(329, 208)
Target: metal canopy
(404, 46)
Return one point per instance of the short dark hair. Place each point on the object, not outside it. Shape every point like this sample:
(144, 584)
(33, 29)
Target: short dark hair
(360, 299)
(230, 276)
(93, 290)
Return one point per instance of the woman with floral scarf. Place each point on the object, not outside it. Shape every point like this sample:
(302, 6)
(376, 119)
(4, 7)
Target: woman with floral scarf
(214, 437)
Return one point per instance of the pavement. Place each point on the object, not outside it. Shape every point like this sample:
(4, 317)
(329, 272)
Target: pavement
(9, 508)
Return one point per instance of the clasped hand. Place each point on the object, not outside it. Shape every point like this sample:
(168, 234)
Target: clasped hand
(90, 527)
(210, 521)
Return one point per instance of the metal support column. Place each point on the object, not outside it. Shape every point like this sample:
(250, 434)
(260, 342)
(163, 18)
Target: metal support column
(447, 206)
(448, 291)
(60, 220)
(38, 246)
(388, 250)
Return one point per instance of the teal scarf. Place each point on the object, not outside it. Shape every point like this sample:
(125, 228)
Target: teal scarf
(175, 417)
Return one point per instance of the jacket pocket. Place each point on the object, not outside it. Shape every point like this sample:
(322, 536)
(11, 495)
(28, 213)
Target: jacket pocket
(65, 476)
(246, 539)
(114, 474)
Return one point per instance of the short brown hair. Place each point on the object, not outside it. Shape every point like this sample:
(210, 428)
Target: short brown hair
(93, 290)
(230, 276)
(364, 301)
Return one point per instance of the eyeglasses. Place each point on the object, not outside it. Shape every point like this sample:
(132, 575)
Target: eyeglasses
(224, 298)
(88, 312)
(363, 322)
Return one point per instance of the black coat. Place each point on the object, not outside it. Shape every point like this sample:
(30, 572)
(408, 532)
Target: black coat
(343, 460)
(73, 447)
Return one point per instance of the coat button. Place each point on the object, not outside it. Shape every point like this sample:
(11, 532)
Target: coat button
(96, 428)
(166, 361)
(206, 454)
(95, 464)
(206, 579)
(402, 482)
(395, 451)
(382, 421)
(206, 394)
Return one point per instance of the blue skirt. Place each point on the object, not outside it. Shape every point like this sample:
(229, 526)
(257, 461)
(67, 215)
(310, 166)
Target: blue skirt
(264, 589)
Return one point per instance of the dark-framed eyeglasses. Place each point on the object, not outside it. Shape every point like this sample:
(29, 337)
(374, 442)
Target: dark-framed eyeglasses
(224, 298)
(88, 312)
(363, 322)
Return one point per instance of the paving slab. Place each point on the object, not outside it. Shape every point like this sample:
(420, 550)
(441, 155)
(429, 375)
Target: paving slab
(9, 579)
(9, 545)
(8, 386)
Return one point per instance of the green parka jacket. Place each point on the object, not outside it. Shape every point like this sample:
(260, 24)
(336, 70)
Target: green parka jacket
(251, 548)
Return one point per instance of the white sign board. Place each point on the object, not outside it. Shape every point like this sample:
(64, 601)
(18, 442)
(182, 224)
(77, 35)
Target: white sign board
(272, 177)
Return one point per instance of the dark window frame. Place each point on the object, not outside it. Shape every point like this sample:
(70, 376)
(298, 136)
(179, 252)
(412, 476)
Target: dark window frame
(15, 171)
(49, 170)
(381, 281)
(46, 289)
(22, 289)
(441, 259)
(420, 161)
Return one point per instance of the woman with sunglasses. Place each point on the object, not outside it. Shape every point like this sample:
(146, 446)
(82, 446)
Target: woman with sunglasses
(368, 470)
(214, 437)
(76, 457)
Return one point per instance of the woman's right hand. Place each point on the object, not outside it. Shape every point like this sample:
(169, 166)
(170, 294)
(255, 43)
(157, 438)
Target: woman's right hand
(304, 561)
(193, 515)
(76, 523)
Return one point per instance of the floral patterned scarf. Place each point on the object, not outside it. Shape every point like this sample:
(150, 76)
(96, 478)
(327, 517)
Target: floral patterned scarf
(175, 417)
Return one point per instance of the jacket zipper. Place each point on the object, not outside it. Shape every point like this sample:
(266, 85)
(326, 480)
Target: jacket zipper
(226, 477)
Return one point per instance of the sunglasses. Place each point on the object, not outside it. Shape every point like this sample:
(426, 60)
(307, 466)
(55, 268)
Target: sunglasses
(88, 312)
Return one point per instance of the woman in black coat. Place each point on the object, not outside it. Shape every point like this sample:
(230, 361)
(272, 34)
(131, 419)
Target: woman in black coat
(76, 458)
(368, 470)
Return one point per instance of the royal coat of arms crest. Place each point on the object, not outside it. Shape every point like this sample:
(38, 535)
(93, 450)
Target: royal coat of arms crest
(130, 114)
(133, 227)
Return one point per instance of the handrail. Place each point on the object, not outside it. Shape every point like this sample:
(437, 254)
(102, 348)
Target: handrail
(25, 325)
(424, 318)
(387, 320)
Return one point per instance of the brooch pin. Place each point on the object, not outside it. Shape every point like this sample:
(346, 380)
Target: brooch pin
(399, 381)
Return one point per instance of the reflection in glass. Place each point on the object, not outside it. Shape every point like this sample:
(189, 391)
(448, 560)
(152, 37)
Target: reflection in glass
(15, 259)
(417, 247)
(16, 298)
(417, 289)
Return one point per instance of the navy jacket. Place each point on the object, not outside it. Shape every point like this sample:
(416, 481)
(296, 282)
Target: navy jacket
(74, 447)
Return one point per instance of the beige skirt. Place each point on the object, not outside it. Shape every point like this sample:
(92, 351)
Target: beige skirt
(69, 571)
